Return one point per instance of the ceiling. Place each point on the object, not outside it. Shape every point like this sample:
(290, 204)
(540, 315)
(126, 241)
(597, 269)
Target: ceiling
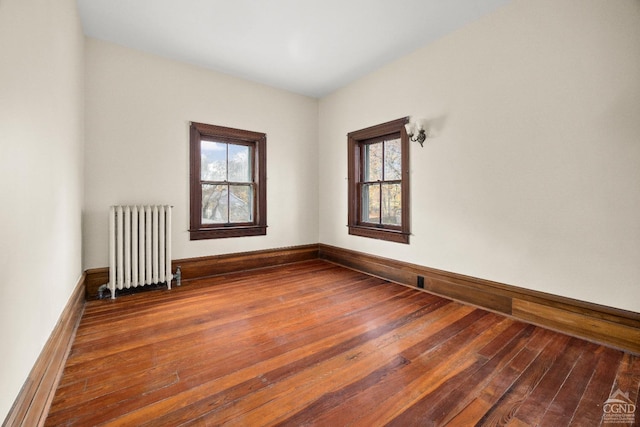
(311, 47)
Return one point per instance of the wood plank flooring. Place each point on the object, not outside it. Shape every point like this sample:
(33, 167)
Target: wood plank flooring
(317, 344)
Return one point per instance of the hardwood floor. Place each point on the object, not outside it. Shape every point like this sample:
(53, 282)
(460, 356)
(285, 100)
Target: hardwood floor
(317, 344)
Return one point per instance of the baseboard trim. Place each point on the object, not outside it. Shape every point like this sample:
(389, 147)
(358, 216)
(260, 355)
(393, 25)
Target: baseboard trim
(606, 325)
(215, 265)
(34, 400)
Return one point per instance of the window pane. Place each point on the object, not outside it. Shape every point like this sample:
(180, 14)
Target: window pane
(241, 203)
(371, 203)
(239, 163)
(392, 204)
(373, 162)
(392, 160)
(213, 161)
(214, 204)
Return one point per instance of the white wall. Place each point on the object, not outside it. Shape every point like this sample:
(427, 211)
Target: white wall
(41, 84)
(533, 178)
(138, 110)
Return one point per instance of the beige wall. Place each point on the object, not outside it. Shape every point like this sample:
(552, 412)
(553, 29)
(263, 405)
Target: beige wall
(41, 83)
(533, 178)
(138, 110)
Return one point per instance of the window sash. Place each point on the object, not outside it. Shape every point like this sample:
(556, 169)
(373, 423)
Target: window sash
(383, 205)
(223, 212)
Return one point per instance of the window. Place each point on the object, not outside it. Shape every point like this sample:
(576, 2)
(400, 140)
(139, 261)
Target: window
(228, 182)
(379, 182)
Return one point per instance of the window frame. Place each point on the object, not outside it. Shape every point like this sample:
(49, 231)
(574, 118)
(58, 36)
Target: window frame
(257, 141)
(356, 142)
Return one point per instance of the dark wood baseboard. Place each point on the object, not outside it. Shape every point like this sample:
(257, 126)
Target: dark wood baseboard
(593, 322)
(197, 268)
(32, 403)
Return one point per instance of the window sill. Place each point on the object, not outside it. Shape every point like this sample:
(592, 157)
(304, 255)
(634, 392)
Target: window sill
(225, 232)
(379, 233)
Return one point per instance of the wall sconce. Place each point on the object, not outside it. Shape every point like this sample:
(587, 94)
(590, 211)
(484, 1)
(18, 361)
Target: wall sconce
(416, 132)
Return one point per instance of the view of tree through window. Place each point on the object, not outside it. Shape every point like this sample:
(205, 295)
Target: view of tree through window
(227, 190)
(382, 182)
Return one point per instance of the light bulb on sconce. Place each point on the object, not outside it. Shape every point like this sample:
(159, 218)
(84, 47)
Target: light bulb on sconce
(416, 132)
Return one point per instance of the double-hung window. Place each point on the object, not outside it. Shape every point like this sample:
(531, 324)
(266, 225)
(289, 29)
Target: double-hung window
(228, 182)
(378, 180)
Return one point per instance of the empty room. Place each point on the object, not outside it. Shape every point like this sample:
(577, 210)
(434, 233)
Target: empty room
(320, 213)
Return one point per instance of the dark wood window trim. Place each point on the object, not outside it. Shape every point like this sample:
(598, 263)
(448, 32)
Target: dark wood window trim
(356, 141)
(258, 142)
